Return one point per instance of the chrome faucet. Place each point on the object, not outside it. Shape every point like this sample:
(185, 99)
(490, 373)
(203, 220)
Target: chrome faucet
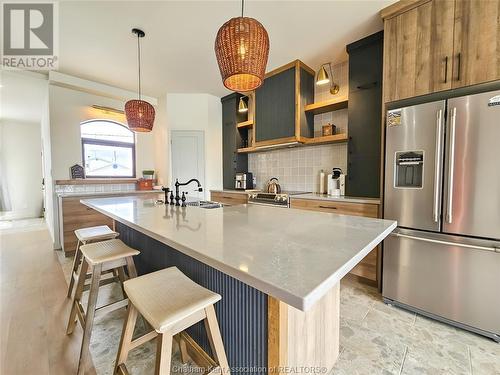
(177, 184)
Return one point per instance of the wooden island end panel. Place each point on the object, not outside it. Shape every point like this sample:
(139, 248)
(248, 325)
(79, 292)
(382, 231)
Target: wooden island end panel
(304, 342)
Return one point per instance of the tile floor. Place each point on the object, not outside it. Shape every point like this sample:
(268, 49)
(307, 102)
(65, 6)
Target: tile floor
(375, 339)
(379, 339)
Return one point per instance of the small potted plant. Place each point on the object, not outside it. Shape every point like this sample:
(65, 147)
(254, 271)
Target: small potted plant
(147, 180)
(148, 174)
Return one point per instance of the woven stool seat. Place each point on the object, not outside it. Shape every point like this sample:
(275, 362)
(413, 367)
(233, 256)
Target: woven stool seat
(167, 296)
(107, 251)
(101, 232)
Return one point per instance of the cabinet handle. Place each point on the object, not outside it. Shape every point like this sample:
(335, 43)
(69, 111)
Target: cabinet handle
(329, 207)
(459, 57)
(446, 69)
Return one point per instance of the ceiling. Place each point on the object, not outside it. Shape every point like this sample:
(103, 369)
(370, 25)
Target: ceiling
(178, 50)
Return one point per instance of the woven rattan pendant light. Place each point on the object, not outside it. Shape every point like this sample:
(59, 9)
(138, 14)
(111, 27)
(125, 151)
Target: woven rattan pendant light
(140, 114)
(242, 48)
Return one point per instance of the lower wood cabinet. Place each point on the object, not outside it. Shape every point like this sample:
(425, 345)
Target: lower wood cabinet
(367, 268)
(74, 215)
(228, 198)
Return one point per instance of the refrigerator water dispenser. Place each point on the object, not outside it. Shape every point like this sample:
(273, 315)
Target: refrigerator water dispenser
(409, 169)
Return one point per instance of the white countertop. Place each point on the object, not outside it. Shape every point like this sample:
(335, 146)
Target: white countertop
(294, 256)
(99, 193)
(343, 198)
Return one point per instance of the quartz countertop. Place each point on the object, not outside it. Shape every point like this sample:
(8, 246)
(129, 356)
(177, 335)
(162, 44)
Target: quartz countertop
(74, 194)
(294, 256)
(342, 198)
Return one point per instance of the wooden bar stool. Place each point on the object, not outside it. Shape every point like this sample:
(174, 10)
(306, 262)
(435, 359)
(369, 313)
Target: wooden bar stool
(100, 257)
(170, 302)
(86, 236)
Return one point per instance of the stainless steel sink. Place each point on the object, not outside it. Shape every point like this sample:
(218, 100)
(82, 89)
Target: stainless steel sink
(205, 204)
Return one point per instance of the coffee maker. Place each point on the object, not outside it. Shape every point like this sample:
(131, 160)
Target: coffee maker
(243, 181)
(336, 183)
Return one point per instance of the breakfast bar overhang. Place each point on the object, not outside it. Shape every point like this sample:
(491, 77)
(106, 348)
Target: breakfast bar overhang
(277, 270)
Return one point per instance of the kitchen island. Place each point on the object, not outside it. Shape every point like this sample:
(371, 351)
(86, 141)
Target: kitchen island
(278, 273)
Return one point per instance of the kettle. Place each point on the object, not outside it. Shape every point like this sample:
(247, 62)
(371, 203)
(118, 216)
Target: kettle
(273, 186)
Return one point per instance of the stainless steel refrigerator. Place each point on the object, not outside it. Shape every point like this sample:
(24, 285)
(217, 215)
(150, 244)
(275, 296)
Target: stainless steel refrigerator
(442, 185)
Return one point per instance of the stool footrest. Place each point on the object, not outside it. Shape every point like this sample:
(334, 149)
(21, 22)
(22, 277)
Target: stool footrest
(122, 370)
(103, 282)
(144, 338)
(80, 313)
(114, 264)
(111, 307)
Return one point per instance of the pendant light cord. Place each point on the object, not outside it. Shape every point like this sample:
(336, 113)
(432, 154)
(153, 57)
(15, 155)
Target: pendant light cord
(242, 6)
(139, 61)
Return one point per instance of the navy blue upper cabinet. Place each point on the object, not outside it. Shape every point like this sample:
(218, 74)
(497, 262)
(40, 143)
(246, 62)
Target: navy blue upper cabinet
(280, 102)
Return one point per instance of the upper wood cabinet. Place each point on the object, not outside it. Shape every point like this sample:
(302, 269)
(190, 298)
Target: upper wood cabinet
(477, 42)
(435, 45)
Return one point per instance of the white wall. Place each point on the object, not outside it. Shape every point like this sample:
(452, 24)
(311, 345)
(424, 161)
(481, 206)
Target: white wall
(21, 169)
(49, 200)
(199, 112)
(69, 108)
(21, 104)
(161, 146)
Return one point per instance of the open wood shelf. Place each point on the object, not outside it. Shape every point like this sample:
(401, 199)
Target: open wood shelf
(327, 106)
(246, 150)
(244, 124)
(335, 138)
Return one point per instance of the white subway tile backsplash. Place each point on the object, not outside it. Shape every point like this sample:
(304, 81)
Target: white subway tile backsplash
(91, 188)
(297, 174)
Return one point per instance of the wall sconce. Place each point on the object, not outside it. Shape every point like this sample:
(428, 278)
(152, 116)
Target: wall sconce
(322, 78)
(242, 105)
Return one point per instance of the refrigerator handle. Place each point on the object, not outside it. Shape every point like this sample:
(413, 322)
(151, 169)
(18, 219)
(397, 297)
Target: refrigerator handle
(437, 166)
(451, 166)
(448, 243)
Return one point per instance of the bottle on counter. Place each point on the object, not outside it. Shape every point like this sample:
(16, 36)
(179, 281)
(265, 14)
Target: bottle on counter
(322, 182)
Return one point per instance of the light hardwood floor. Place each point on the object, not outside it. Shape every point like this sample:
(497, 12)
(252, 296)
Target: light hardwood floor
(33, 306)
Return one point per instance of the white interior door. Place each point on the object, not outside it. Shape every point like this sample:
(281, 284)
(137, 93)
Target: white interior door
(187, 155)
(20, 170)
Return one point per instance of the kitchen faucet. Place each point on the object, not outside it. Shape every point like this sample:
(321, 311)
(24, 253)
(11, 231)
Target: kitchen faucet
(177, 184)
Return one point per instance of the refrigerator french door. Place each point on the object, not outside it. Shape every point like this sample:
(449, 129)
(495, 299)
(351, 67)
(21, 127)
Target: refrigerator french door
(443, 187)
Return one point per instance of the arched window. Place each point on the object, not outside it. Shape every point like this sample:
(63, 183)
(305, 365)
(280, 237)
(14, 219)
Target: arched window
(108, 149)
